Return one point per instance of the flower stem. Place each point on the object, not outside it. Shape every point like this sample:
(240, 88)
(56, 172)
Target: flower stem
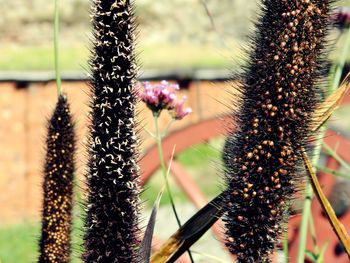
(158, 138)
(56, 48)
(316, 154)
(163, 168)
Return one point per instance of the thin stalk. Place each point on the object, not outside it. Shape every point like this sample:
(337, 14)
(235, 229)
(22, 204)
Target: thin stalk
(316, 154)
(56, 48)
(318, 252)
(313, 235)
(307, 201)
(158, 138)
(332, 153)
(332, 172)
(323, 250)
(212, 22)
(285, 247)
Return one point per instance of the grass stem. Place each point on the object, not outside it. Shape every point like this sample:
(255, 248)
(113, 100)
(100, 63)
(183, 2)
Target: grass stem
(285, 247)
(333, 172)
(158, 138)
(56, 48)
(333, 153)
(307, 202)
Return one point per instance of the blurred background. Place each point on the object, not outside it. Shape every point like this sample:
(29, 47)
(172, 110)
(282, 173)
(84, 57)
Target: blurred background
(176, 34)
(186, 41)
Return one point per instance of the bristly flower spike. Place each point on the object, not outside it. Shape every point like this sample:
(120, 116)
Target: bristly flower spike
(111, 225)
(55, 242)
(278, 96)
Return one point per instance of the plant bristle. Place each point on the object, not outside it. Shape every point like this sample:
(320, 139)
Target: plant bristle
(111, 226)
(278, 97)
(55, 242)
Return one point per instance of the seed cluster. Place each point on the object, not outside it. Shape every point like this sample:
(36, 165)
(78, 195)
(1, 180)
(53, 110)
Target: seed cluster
(112, 205)
(278, 97)
(58, 186)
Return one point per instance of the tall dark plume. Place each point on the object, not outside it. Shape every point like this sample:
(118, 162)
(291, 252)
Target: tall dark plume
(111, 224)
(55, 242)
(278, 96)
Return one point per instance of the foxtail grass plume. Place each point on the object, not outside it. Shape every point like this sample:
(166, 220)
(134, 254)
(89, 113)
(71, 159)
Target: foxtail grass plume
(111, 225)
(278, 96)
(55, 241)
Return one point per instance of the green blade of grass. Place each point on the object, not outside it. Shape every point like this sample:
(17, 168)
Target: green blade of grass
(146, 244)
(56, 48)
(285, 247)
(333, 153)
(191, 231)
(333, 172)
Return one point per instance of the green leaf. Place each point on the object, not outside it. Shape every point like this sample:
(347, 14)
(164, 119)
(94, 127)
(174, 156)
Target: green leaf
(321, 254)
(327, 108)
(334, 154)
(311, 255)
(146, 244)
(191, 231)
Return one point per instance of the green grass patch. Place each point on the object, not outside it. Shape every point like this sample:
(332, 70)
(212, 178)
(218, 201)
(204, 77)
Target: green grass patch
(74, 57)
(200, 154)
(41, 58)
(183, 56)
(18, 243)
(161, 56)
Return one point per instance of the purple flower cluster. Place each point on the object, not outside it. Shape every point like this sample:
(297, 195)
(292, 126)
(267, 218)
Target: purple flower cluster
(341, 17)
(179, 112)
(162, 96)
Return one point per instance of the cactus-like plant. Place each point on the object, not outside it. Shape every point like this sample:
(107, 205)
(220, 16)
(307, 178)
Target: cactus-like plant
(55, 242)
(111, 224)
(278, 96)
